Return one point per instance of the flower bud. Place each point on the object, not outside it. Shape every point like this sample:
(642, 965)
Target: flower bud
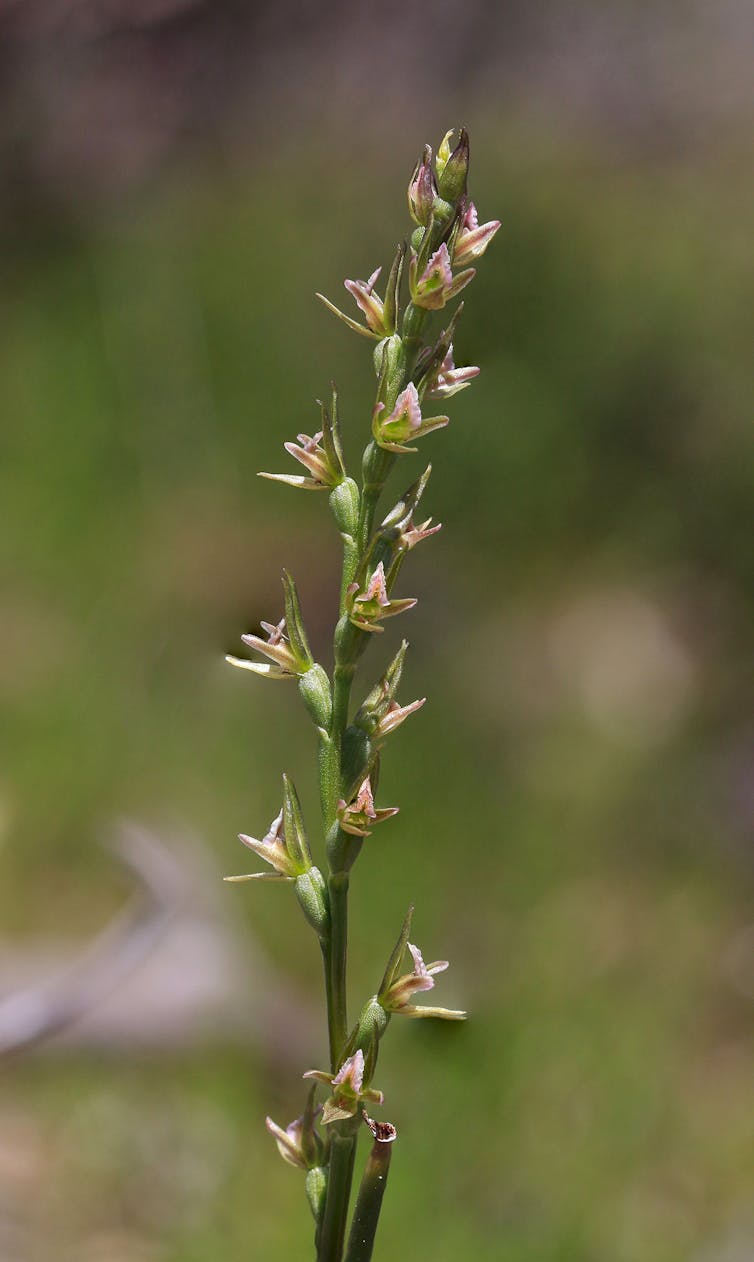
(422, 189)
(314, 689)
(453, 170)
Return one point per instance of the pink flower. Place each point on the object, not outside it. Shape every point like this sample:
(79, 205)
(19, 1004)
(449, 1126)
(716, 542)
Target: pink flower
(473, 238)
(422, 189)
(370, 304)
(404, 422)
(447, 379)
(311, 454)
(347, 1088)
(422, 977)
(276, 647)
(436, 285)
(359, 816)
(366, 609)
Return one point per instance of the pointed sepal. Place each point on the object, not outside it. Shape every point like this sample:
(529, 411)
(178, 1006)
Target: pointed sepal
(295, 625)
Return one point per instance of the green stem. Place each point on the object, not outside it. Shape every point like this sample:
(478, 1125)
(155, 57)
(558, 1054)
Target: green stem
(369, 1203)
(337, 1012)
(342, 1157)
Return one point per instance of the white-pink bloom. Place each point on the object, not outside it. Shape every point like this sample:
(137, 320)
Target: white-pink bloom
(473, 238)
(366, 609)
(347, 1087)
(436, 285)
(359, 816)
(404, 422)
(276, 647)
(422, 977)
(447, 379)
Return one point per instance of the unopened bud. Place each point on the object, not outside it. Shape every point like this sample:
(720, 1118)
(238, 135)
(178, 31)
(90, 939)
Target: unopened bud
(422, 189)
(453, 171)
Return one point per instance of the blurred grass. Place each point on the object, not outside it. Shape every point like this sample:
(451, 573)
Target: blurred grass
(576, 826)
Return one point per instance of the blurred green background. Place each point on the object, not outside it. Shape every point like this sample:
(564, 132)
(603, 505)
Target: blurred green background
(578, 794)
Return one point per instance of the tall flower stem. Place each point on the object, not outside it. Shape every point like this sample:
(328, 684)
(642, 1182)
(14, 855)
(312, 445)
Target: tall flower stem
(411, 369)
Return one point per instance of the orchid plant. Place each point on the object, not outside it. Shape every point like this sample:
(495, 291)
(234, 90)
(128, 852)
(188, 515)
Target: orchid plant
(414, 368)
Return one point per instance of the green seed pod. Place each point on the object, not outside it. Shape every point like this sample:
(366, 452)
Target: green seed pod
(316, 1190)
(314, 687)
(344, 502)
(311, 892)
(370, 1028)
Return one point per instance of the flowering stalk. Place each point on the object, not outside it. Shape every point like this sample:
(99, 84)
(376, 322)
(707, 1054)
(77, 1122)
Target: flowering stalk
(414, 366)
